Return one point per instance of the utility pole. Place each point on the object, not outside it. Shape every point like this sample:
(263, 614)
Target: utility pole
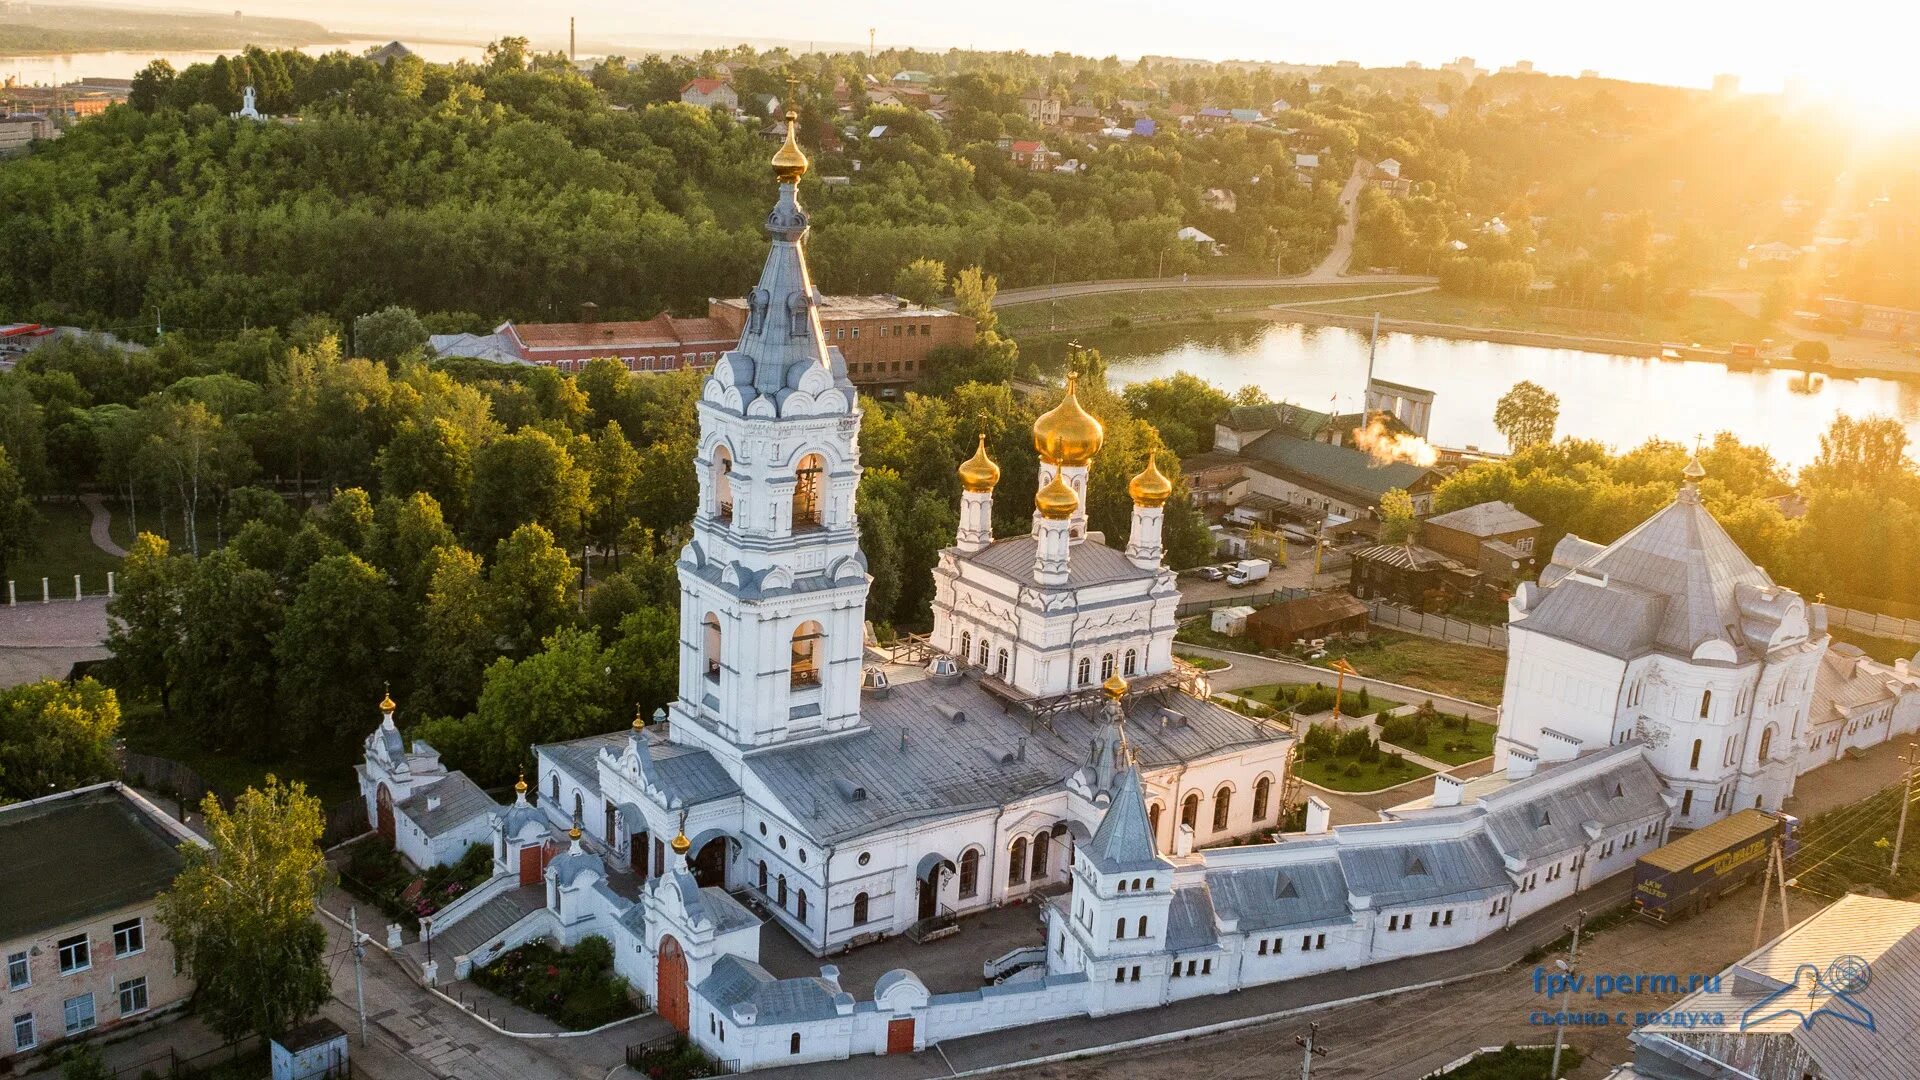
(1573, 956)
(573, 53)
(1910, 759)
(1309, 1045)
(359, 951)
(870, 32)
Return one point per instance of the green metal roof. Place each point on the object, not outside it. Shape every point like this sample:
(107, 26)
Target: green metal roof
(75, 857)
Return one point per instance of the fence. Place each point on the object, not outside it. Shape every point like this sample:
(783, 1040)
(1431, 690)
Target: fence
(1273, 596)
(1443, 627)
(173, 1063)
(51, 590)
(1867, 622)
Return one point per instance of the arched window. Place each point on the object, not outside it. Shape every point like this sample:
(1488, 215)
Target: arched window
(807, 479)
(722, 483)
(1000, 663)
(1222, 806)
(1086, 671)
(1017, 862)
(1706, 703)
(793, 1044)
(1695, 762)
(1042, 850)
(1120, 927)
(763, 875)
(1766, 741)
(805, 664)
(983, 653)
(553, 785)
(712, 645)
(966, 645)
(1686, 803)
(1262, 791)
(859, 909)
(1142, 932)
(969, 873)
(1106, 667)
(1190, 811)
(579, 809)
(1153, 824)
(800, 905)
(1131, 666)
(780, 891)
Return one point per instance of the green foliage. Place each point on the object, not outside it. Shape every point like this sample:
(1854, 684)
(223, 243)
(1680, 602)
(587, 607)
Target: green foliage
(389, 334)
(19, 521)
(1398, 522)
(1527, 414)
(576, 988)
(921, 281)
(240, 912)
(55, 736)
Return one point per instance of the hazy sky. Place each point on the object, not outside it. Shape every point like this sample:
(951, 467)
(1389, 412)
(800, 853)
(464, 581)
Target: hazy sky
(1854, 47)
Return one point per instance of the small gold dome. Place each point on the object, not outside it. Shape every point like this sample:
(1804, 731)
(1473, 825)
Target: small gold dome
(639, 719)
(789, 162)
(979, 473)
(386, 702)
(520, 786)
(1068, 434)
(1056, 501)
(1151, 487)
(681, 844)
(1115, 686)
(573, 834)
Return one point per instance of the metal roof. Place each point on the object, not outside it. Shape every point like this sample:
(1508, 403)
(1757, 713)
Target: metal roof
(446, 805)
(736, 981)
(1530, 820)
(1190, 922)
(1124, 841)
(1276, 897)
(580, 758)
(1846, 680)
(1485, 519)
(1347, 471)
(1410, 872)
(75, 856)
(1088, 563)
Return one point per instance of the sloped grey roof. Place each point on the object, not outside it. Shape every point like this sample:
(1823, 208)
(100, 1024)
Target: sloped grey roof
(1484, 519)
(1340, 470)
(571, 864)
(1680, 556)
(580, 758)
(1124, 841)
(1406, 873)
(726, 913)
(1529, 819)
(1273, 898)
(1843, 682)
(1089, 563)
(1190, 920)
(460, 800)
(689, 773)
(947, 768)
(1407, 556)
(735, 981)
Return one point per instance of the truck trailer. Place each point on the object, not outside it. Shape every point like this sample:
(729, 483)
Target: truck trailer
(1692, 872)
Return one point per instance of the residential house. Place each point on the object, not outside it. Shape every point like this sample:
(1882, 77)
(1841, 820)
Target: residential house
(1858, 702)
(1244, 424)
(85, 951)
(1031, 155)
(1307, 618)
(1492, 537)
(1386, 176)
(1411, 576)
(1205, 244)
(21, 130)
(1319, 479)
(1218, 199)
(911, 78)
(1042, 109)
(707, 93)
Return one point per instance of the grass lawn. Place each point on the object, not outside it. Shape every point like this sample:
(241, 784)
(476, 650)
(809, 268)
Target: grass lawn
(1886, 650)
(1448, 743)
(1341, 773)
(1462, 671)
(329, 776)
(65, 550)
(1285, 696)
(170, 527)
(1102, 308)
(1699, 319)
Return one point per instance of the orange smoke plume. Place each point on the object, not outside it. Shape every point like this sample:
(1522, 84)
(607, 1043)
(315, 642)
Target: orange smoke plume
(1387, 447)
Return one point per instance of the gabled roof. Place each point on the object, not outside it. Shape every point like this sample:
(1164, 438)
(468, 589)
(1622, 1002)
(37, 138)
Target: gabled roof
(1124, 841)
(1276, 897)
(704, 86)
(1410, 872)
(445, 805)
(1088, 564)
(1846, 680)
(1346, 471)
(738, 981)
(1484, 519)
(1407, 557)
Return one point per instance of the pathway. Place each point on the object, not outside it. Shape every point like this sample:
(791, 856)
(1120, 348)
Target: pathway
(43, 641)
(1334, 266)
(101, 528)
(1250, 670)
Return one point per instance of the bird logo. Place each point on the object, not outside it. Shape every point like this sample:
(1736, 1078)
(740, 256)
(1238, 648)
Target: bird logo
(1814, 993)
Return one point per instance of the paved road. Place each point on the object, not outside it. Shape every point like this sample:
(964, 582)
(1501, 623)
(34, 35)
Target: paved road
(100, 528)
(1334, 266)
(44, 641)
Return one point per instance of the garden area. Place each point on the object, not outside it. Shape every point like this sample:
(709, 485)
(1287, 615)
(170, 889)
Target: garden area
(1311, 699)
(1512, 1062)
(576, 988)
(1446, 737)
(1443, 667)
(375, 872)
(671, 1059)
(1351, 761)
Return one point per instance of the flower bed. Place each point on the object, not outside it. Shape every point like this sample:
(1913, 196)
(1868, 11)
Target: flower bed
(575, 988)
(671, 1059)
(376, 873)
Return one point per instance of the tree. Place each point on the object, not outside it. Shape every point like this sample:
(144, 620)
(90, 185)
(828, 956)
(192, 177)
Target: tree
(389, 335)
(921, 281)
(1527, 414)
(431, 456)
(527, 478)
(1397, 519)
(458, 635)
(55, 736)
(528, 588)
(19, 521)
(225, 661)
(151, 86)
(1812, 352)
(146, 619)
(334, 649)
(1866, 453)
(240, 913)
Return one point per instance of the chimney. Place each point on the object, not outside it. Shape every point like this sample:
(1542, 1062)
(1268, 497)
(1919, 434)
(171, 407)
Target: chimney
(1901, 665)
(1447, 789)
(433, 803)
(1319, 815)
(1021, 754)
(830, 973)
(1183, 840)
(589, 312)
(1521, 764)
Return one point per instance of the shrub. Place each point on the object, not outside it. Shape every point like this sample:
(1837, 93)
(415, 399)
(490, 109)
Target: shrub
(1355, 743)
(576, 988)
(1321, 739)
(1352, 769)
(1404, 730)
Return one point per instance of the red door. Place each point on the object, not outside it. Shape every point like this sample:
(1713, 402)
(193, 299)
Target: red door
(670, 998)
(384, 801)
(532, 866)
(900, 1036)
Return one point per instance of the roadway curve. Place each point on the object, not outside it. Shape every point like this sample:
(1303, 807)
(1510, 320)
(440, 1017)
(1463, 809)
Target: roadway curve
(1332, 270)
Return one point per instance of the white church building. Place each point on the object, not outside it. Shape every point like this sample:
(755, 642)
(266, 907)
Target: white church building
(1045, 745)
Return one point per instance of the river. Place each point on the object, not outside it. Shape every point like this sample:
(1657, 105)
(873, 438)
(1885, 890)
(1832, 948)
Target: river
(1621, 400)
(58, 69)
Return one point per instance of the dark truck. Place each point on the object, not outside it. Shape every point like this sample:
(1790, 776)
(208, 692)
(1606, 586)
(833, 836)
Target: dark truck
(1695, 870)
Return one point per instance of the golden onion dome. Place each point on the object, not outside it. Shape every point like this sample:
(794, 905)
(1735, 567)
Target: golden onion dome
(573, 834)
(386, 702)
(1068, 434)
(681, 844)
(979, 473)
(520, 785)
(789, 162)
(1151, 487)
(1056, 501)
(1115, 686)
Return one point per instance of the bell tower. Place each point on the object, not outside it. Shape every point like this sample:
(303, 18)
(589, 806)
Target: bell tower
(773, 585)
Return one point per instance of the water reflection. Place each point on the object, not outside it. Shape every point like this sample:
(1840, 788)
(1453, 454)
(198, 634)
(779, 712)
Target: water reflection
(1622, 400)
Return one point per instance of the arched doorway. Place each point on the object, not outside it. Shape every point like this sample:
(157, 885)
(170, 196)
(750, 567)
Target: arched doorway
(670, 997)
(709, 864)
(384, 802)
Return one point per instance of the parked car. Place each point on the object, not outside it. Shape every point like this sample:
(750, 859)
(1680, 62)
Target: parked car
(1210, 573)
